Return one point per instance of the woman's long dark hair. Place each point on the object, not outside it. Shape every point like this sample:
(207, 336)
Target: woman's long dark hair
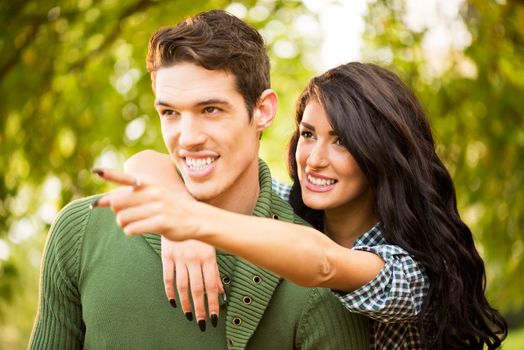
(384, 128)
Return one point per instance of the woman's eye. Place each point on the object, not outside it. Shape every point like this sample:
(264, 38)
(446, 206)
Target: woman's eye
(306, 134)
(338, 141)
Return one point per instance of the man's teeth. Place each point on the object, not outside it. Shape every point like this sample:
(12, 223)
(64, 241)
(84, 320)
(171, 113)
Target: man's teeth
(199, 163)
(320, 182)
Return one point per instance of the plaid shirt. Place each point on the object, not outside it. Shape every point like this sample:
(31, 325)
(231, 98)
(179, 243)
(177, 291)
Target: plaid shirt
(393, 299)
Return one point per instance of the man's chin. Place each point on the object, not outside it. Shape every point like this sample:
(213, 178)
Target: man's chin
(200, 193)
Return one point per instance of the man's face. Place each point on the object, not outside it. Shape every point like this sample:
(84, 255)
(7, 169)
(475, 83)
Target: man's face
(206, 128)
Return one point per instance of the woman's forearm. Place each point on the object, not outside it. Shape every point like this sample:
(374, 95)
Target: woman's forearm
(299, 254)
(156, 166)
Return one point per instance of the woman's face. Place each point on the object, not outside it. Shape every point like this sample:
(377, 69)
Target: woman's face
(330, 178)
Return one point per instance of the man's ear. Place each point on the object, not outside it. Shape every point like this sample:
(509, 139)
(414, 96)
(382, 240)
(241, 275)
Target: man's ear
(265, 109)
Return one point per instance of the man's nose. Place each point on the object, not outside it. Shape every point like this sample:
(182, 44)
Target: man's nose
(191, 133)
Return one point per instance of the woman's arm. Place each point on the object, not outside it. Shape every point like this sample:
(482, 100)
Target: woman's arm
(300, 254)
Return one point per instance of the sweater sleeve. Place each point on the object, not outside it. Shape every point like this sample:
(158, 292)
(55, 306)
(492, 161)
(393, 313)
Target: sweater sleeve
(325, 324)
(58, 324)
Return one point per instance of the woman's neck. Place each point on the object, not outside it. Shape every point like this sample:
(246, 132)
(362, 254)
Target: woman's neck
(344, 225)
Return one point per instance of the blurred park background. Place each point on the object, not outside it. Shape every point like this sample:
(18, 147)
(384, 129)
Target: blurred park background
(74, 93)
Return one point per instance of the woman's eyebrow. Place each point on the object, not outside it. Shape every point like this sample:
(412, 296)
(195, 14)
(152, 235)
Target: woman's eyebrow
(312, 128)
(308, 126)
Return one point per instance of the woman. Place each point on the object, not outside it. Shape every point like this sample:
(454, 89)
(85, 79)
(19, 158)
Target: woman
(366, 174)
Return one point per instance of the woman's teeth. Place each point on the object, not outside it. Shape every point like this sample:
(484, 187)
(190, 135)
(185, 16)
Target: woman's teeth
(320, 182)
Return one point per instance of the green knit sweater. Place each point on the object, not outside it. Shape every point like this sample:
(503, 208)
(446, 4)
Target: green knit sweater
(103, 290)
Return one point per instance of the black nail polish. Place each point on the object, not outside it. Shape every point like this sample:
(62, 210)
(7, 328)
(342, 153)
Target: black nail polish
(202, 325)
(94, 204)
(99, 172)
(172, 302)
(189, 316)
(214, 320)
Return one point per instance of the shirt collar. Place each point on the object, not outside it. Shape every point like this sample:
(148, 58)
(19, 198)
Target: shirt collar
(371, 237)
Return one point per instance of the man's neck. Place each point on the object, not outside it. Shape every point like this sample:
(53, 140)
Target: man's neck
(242, 196)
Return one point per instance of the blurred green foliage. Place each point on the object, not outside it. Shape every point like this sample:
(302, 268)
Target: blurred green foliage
(74, 93)
(477, 110)
(515, 340)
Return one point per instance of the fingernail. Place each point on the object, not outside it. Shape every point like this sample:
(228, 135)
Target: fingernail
(189, 316)
(94, 204)
(224, 296)
(172, 302)
(214, 320)
(202, 325)
(99, 172)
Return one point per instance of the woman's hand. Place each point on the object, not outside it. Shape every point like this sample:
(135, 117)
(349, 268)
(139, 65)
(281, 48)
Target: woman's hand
(196, 270)
(141, 206)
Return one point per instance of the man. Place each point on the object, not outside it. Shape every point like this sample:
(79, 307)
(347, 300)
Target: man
(103, 290)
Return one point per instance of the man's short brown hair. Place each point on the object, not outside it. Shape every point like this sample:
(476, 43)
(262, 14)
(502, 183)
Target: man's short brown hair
(215, 40)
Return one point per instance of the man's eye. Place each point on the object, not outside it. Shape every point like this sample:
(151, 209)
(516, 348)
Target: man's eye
(210, 110)
(167, 113)
(306, 134)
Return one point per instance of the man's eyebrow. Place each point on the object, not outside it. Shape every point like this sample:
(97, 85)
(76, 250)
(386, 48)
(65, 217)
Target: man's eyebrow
(212, 101)
(312, 128)
(162, 103)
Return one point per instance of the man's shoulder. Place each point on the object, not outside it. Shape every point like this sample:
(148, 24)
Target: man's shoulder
(65, 239)
(82, 203)
(73, 220)
(73, 214)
